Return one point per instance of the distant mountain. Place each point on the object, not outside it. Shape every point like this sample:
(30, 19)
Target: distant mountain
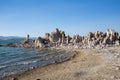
(10, 37)
(13, 37)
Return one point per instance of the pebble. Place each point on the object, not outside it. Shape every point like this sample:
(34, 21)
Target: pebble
(15, 79)
(117, 68)
(113, 77)
(117, 56)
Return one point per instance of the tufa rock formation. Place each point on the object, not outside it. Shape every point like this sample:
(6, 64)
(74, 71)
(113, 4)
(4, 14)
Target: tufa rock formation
(39, 43)
(58, 37)
(26, 40)
(92, 39)
(54, 36)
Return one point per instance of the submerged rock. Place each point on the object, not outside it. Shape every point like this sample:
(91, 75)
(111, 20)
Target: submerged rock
(10, 45)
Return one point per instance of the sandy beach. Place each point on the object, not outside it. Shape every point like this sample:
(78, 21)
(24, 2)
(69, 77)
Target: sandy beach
(88, 64)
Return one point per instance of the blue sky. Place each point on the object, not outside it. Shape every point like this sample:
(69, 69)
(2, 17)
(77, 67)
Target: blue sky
(36, 17)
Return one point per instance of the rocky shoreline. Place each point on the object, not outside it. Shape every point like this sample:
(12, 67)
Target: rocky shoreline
(88, 64)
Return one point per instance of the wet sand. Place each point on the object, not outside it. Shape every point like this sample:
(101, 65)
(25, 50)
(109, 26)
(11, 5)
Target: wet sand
(88, 64)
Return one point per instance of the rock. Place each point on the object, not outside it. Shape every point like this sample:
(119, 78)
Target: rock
(96, 42)
(113, 77)
(110, 32)
(58, 37)
(1, 45)
(76, 39)
(117, 43)
(10, 45)
(96, 34)
(26, 40)
(68, 39)
(47, 36)
(63, 37)
(117, 68)
(106, 40)
(39, 43)
(15, 79)
(90, 35)
(112, 39)
(54, 37)
(116, 55)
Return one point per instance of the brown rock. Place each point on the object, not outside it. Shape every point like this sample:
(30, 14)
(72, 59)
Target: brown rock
(47, 36)
(68, 39)
(54, 37)
(26, 40)
(77, 39)
(39, 43)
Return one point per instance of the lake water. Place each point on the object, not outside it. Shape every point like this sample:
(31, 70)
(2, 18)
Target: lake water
(17, 60)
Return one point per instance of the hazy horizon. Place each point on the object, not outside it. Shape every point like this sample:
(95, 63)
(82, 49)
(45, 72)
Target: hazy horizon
(37, 17)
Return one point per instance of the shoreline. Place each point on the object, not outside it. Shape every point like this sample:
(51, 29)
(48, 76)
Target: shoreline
(20, 74)
(67, 55)
(94, 64)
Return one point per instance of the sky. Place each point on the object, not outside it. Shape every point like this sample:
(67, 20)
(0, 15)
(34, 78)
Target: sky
(37, 17)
